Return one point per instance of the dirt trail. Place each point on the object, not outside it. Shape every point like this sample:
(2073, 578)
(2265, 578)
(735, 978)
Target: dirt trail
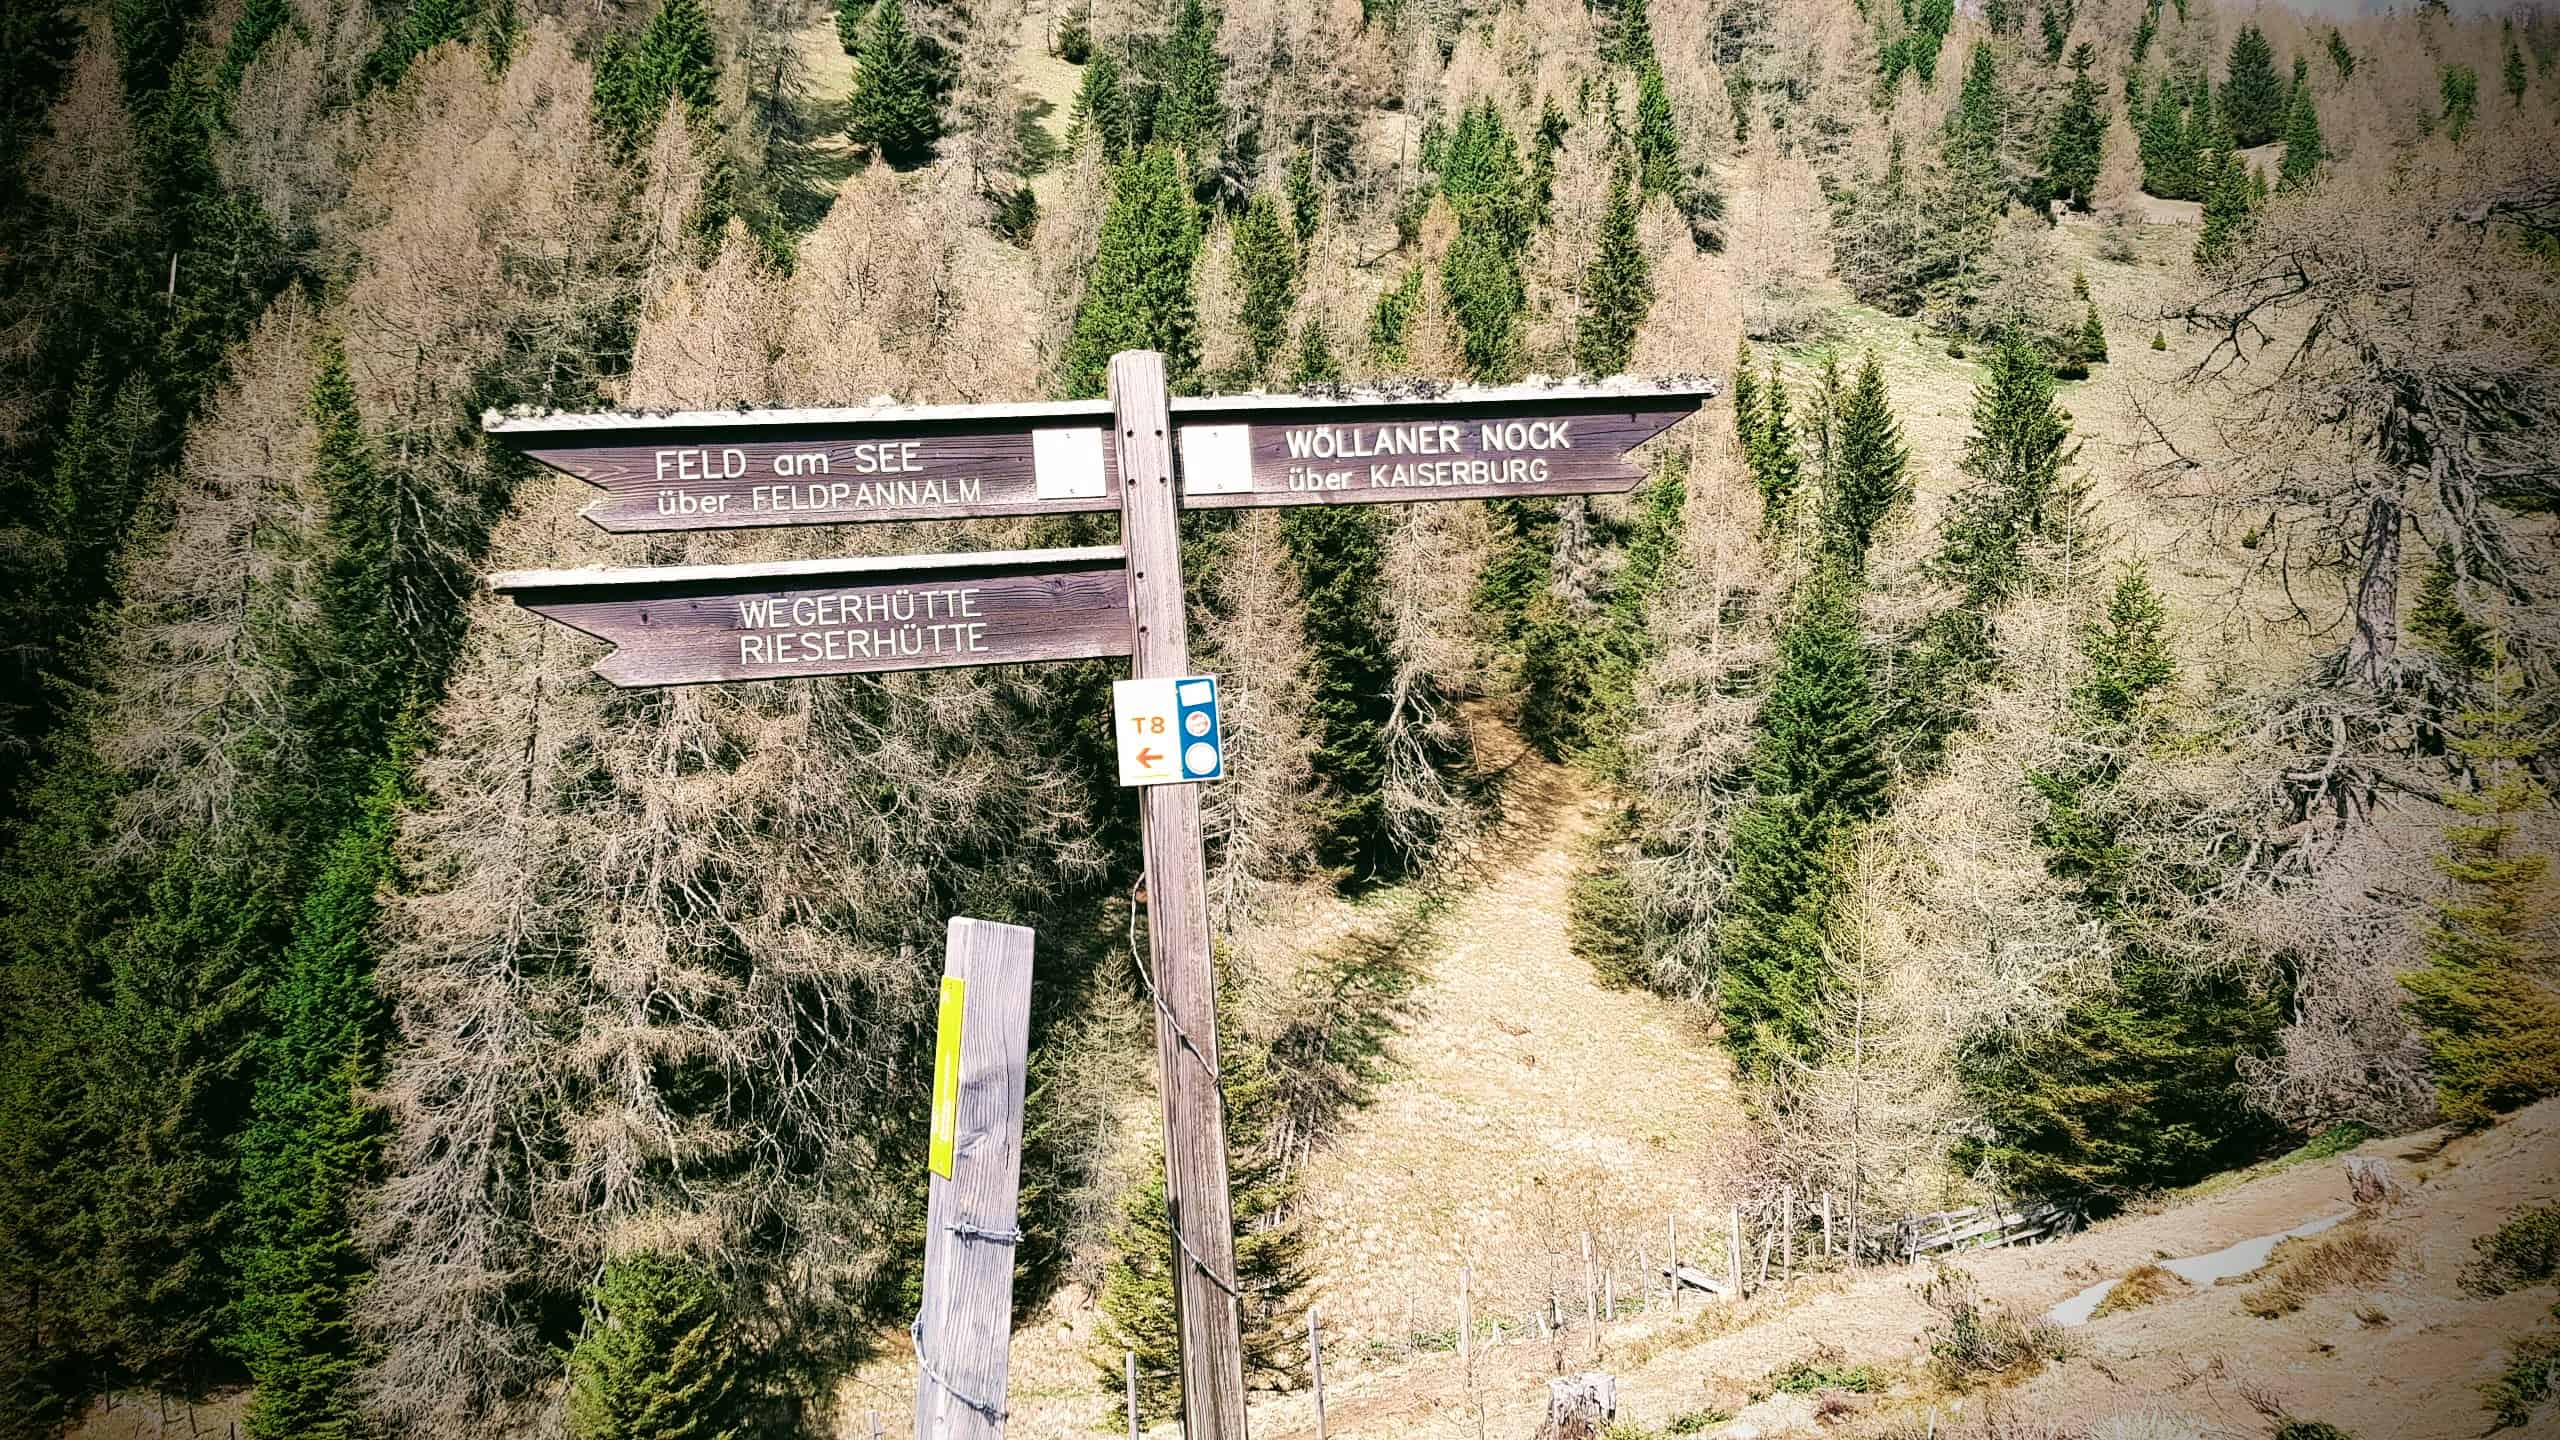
(1520, 1104)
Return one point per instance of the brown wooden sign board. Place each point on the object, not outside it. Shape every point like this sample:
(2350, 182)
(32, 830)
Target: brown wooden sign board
(1293, 451)
(715, 470)
(688, 625)
(721, 470)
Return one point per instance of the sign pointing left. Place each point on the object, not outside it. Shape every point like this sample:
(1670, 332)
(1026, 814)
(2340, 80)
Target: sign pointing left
(687, 624)
(724, 469)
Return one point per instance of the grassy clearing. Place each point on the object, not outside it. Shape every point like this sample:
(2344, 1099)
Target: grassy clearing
(2334, 1141)
(2300, 1270)
(2147, 1285)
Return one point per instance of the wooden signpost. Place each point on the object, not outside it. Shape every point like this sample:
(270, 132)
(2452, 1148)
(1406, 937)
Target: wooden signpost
(1148, 455)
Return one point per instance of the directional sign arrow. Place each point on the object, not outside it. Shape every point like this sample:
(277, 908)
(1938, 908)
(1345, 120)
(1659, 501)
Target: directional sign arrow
(718, 470)
(722, 469)
(683, 625)
(1148, 757)
(1371, 446)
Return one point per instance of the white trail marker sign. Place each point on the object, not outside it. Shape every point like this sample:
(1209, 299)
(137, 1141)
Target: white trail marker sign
(713, 470)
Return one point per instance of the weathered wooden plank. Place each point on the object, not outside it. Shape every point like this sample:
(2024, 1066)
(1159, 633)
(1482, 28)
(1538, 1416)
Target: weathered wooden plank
(708, 470)
(686, 625)
(1197, 1199)
(1350, 454)
(965, 1329)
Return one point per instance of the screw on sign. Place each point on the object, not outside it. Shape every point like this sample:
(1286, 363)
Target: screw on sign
(713, 470)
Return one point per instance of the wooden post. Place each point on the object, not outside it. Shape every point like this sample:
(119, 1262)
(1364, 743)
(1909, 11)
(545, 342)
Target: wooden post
(1787, 1234)
(1195, 1150)
(1644, 1274)
(1826, 1224)
(1315, 1365)
(1590, 1290)
(1674, 1242)
(1733, 1253)
(1466, 1324)
(1129, 1374)
(965, 1331)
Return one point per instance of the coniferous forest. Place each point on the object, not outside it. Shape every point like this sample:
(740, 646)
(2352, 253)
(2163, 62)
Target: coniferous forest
(2068, 728)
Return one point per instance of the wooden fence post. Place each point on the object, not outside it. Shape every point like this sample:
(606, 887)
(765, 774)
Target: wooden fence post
(1673, 1240)
(1197, 1201)
(1787, 1233)
(1733, 1254)
(1590, 1292)
(964, 1335)
(1826, 1224)
(1129, 1375)
(1315, 1365)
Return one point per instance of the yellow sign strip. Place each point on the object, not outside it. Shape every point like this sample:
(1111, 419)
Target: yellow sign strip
(946, 1076)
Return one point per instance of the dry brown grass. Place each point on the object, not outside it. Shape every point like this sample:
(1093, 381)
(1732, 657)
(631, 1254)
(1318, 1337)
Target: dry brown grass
(2146, 1285)
(2302, 1269)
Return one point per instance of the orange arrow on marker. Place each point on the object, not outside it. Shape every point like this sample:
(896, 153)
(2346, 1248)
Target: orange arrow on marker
(1148, 757)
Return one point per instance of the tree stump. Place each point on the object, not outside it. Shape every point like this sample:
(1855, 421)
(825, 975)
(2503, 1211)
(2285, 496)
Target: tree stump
(1580, 1407)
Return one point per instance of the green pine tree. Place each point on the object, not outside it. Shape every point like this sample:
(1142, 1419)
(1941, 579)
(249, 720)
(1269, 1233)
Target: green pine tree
(1266, 260)
(658, 1359)
(1817, 770)
(2017, 461)
(1190, 77)
(2340, 57)
(1776, 462)
(2168, 159)
(1657, 135)
(2491, 1029)
(2093, 336)
(422, 27)
(1306, 199)
(1101, 109)
(1631, 43)
(894, 109)
(2078, 144)
(2440, 623)
(2460, 87)
(2253, 99)
(1746, 403)
(259, 22)
(1391, 321)
(1872, 472)
(309, 1149)
(849, 17)
(2227, 207)
(1137, 1300)
(2138, 1086)
(2304, 148)
(1481, 278)
(1317, 364)
(1617, 286)
(1138, 295)
(674, 55)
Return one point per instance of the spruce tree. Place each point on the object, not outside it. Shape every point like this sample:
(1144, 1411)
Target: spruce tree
(894, 109)
(2512, 70)
(849, 17)
(2491, 1030)
(1266, 260)
(1138, 295)
(2016, 461)
(2227, 207)
(2078, 144)
(657, 1360)
(2139, 1084)
(1872, 472)
(2253, 99)
(1102, 109)
(1746, 405)
(2093, 336)
(1617, 286)
(2342, 59)
(2304, 148)
(1306, 201)
(1817, 770)
(1657, 137)
(309, 1148)
(1189, 76)
(2460, 87)
(1137, 1301)
(1481, 278)
(1775, 463)
(2168, 160)
(1391, 320)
